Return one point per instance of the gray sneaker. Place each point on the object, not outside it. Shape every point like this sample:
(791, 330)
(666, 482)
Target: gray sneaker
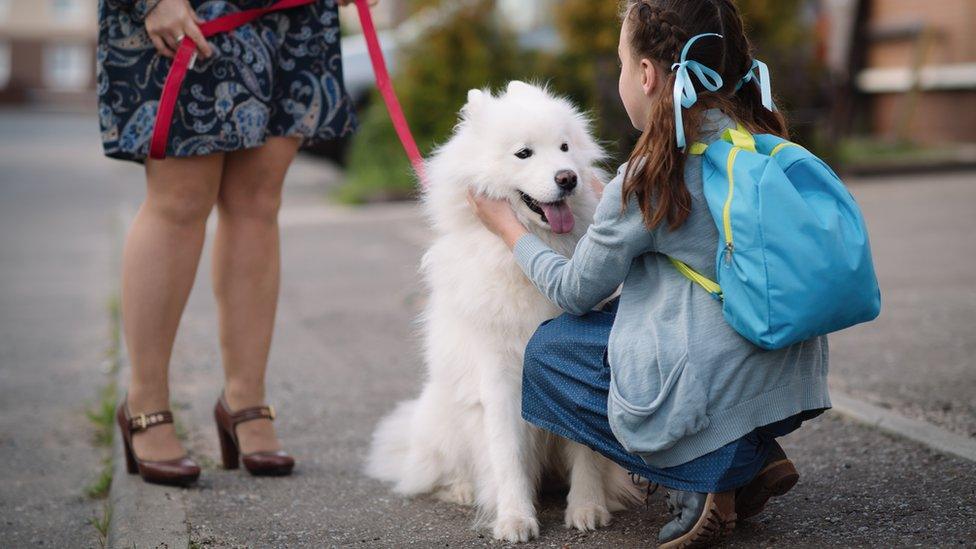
(699, 520)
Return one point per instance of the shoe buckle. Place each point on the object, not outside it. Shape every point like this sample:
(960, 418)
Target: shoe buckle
(271, 412)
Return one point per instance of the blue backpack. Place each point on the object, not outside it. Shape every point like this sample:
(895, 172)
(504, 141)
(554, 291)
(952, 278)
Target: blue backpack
(793, 259)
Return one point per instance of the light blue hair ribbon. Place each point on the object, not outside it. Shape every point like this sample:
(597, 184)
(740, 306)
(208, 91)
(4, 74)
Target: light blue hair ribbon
(684, 88)
(765, 88)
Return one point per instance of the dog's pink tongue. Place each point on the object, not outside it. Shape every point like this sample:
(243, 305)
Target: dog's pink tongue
(559, 215)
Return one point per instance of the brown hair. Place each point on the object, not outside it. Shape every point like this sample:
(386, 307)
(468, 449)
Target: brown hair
(659, 30)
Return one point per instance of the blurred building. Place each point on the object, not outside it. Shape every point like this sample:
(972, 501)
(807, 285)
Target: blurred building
(47, 51)
(921, 69)
(912, 64)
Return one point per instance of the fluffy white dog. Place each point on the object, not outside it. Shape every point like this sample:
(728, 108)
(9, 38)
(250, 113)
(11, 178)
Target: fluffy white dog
(464, 438)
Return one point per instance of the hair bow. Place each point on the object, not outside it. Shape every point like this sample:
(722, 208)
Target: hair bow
(684, 88)
(765, 88)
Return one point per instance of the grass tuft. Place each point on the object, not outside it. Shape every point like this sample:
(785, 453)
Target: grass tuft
(102, 415)
(101, 524)
(98, 488)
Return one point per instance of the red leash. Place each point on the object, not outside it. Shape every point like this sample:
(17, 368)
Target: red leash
(226, 23)
(386, 90)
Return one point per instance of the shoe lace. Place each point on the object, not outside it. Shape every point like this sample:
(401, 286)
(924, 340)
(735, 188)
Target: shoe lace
(672, 508)
(651, 486)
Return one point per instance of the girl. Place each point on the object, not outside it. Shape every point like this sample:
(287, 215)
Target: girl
(657, 380)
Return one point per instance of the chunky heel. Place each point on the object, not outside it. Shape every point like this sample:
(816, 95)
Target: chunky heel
(130, 459)
(180, 471)
(229, 454)
(272, 463)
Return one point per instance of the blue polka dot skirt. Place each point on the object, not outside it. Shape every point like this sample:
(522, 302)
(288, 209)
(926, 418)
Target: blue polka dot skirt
(565, 383)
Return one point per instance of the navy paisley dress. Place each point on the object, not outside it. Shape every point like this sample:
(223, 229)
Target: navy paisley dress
(280, 75)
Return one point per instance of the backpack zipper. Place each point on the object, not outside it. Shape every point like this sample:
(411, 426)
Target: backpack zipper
(727, 209)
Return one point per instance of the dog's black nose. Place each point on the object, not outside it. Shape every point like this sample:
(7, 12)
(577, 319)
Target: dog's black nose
(566, 180)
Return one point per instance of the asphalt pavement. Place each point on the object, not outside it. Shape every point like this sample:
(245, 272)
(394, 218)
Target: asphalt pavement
(346, 349)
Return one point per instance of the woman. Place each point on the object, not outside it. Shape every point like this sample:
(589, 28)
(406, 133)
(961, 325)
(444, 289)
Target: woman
(253, 97)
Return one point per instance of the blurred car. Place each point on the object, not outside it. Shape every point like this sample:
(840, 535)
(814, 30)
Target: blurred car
(533, 26)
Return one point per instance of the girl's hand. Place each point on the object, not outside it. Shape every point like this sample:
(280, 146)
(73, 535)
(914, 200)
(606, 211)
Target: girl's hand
(497, 216)
(347, 2)
(169, 22)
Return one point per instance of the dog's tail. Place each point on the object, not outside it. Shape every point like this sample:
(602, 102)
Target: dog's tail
(391, 443)
(399, 454)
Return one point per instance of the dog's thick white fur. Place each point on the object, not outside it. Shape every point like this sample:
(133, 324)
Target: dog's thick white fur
(464, 438)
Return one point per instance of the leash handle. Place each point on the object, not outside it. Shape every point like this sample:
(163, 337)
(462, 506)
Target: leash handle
(186, 53)
(385, 85)
(184, 57)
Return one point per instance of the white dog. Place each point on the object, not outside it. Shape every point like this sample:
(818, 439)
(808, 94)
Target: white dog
(464, 437)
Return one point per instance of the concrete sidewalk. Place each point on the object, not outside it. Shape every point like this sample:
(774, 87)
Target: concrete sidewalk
(346, 350)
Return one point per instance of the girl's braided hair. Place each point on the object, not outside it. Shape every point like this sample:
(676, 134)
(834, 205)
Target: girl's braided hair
(658, 30)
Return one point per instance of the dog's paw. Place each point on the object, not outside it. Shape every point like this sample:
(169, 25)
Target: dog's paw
(587, 516)
(515, 528)
(461, 493)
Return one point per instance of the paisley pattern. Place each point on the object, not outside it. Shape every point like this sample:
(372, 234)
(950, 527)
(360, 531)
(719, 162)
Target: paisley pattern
(280, 75)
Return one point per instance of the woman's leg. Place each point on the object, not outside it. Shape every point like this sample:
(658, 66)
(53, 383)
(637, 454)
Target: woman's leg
(246, 267)
(159, 263)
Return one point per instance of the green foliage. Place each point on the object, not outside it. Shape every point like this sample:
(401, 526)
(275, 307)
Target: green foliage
(472, 50)
(102, 415)
(98, 488)
(101, 524)
(587, 69)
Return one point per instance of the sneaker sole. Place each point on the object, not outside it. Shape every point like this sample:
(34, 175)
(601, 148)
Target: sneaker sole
(715, 524)
(775, 480)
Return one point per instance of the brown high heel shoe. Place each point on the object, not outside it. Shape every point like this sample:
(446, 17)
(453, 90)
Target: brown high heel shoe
(178, 472)
(272, 463)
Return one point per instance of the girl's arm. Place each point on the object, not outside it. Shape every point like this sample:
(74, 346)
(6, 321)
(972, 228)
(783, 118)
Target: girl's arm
(601, 260)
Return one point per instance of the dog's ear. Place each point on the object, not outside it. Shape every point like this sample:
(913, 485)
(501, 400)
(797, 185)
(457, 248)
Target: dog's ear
(476, 98)
(518, 85)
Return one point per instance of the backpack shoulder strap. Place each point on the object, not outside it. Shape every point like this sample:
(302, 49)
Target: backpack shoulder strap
(710, 286)
(738, 137)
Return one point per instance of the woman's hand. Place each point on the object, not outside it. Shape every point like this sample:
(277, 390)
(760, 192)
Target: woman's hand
(497, 216)
(347, 2)
(169, 22)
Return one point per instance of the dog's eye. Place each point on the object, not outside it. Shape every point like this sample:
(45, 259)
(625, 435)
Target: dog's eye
(524, 153)
(565, 147)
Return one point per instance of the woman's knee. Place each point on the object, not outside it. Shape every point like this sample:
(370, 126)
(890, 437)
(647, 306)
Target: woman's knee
(182, 192)
(255, 197)
(253, 180)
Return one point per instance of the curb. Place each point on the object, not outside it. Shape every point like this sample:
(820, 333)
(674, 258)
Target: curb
(143, 516)
(922, 432)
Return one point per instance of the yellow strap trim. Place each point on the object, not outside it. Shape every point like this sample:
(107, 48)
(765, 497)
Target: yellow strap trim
(693, 275)
(740, 138)
(782, 146)
(727, 209)
(697, 148)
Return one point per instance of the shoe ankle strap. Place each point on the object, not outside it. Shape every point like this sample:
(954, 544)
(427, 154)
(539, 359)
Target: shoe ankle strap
(250, 414)
(141, 422)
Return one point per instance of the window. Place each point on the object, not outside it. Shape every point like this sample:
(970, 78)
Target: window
(4, 64)
(67, 66)
(66, 10)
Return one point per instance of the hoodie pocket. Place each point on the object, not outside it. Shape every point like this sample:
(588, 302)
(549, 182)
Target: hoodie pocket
(645, 422)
